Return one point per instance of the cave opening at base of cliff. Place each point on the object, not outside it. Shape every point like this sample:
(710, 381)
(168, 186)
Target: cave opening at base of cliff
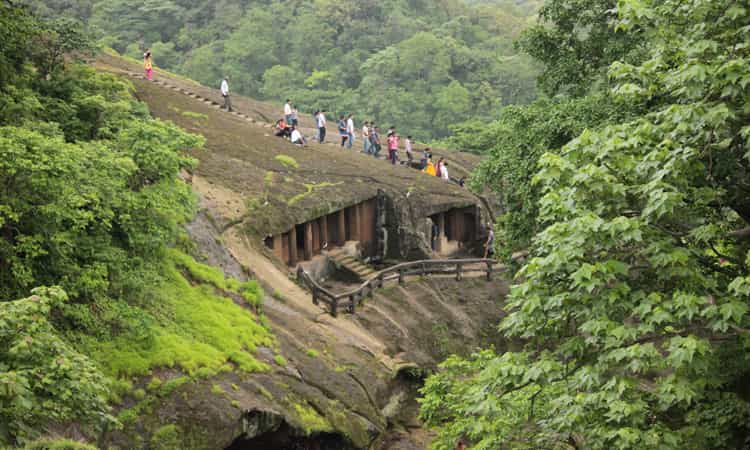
(286, 437)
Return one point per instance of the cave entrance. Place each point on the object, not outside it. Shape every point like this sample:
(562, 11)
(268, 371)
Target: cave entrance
(454, 231)
(306, 240)
(287, 438)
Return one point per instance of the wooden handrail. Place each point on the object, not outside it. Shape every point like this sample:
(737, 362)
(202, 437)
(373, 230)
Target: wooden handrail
(397, 272)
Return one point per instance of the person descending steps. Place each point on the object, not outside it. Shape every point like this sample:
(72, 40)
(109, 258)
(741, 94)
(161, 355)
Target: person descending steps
(148, 65)
(343, 130)
(393, 146)
(321, 119)
(366, 138)
(225, 94)
(350, 131)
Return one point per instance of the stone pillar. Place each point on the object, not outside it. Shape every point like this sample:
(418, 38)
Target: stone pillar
(278, 246)
(293, 246)
(342, 227)
(477, 223)
(308, 241)
(441, 233)
(323, 231)
(315, 225)
(356, 220)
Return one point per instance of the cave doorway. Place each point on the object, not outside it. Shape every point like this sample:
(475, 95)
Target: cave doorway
(288, 438)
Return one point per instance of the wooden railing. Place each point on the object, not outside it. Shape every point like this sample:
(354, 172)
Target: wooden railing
(353, 298)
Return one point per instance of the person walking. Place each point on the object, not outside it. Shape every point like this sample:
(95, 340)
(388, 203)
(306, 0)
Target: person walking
(489, 246)
(444, 171)
(366, 145)
(342, 130)
(295, 116)
(430, 167)
(393, 146)
(148, 65)
(288, 111)
(350, 131)
(375, 141)
(409, 150)
(439, 167)
(225, 94)
(321, 126)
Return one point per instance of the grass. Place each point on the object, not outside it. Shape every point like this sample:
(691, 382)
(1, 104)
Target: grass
(310, 188)
(312, 353)
(197, 328)
(278, 295)
(280, 360)
(58, 444)
(310, 421)
(249, 290)
(218, 390)
(167, 438)
(287, 161)
(194, 115)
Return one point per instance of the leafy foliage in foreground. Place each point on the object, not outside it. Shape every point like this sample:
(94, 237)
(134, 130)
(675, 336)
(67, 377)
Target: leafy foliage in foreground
(91, 202)
(513, 145)
(42, 378)
(634, 306)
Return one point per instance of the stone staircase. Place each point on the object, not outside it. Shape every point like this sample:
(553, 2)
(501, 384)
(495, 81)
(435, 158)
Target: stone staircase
(351, 264)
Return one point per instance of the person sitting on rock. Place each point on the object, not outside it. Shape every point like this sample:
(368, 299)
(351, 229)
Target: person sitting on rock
(297, 137)
(282, 129)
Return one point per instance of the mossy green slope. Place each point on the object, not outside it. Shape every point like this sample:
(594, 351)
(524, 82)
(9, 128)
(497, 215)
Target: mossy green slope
(197, 327)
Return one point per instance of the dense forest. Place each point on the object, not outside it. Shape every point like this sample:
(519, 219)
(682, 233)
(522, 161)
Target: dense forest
(629, 185)
(418, 65)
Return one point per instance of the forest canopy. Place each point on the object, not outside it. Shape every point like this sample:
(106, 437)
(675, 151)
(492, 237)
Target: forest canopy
(418, 65)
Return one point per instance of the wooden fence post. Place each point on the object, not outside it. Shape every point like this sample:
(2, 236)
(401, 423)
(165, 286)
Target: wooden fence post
(352, 302)
(315, 296)
(489, 270)
(458, 272)
(334, 306)
(401, 276)
(380, 280)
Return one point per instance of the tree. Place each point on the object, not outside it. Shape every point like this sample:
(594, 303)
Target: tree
(633, 309)
(576, 41)
(43, 380)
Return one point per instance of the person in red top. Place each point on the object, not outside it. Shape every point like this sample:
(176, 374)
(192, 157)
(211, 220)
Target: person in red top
(393, 147)
(282, 129)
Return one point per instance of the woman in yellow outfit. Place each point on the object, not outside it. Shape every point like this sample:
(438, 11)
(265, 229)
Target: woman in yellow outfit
(430, 169)
(148, 65)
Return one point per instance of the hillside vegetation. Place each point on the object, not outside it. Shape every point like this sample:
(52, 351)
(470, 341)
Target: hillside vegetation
(630, 188)
(91, 207)
(418, 65)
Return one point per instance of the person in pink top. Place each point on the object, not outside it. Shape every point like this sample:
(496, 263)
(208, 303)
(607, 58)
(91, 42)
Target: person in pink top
(393, 147)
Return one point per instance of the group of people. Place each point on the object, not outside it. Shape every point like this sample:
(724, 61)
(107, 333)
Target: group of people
(288, 127)
(370, 138)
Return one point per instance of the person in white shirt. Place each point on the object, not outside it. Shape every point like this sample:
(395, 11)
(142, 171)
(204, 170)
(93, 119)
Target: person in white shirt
(297, 137)
(321, 126)
(225, 94)
(288, 111)
(444, 171)
(366, 137)
(350, 131)
(409, 151)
